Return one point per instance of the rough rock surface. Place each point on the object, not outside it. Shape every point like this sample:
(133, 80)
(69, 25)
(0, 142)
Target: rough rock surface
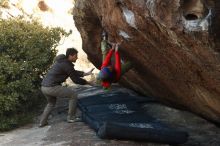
(173, 45)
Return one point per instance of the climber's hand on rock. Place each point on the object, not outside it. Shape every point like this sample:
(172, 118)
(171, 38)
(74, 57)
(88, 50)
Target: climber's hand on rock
(111, 43)
(116, 46)
(113, 46)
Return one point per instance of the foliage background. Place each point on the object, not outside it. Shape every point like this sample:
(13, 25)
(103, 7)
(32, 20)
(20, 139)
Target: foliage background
(27, 50)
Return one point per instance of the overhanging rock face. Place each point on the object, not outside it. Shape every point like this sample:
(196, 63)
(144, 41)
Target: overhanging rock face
(173, 45)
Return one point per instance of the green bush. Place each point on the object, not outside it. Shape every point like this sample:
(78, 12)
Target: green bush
(27, 50)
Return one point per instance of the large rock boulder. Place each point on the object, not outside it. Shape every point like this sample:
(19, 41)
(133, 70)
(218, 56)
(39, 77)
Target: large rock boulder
(173, 45)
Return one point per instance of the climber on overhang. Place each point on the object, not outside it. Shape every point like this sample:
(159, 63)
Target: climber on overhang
(112, 68)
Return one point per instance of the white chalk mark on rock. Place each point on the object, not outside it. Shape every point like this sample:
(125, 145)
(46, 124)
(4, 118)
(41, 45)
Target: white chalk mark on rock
(129, 16)
(124, 35)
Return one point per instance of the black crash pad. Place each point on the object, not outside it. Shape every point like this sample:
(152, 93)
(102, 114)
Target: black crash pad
(119, 116)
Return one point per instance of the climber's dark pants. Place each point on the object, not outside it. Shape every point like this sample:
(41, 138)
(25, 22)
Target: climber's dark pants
(51, 94)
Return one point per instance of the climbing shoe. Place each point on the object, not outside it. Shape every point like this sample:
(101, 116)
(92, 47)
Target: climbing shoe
(42, 124)
(74, 119)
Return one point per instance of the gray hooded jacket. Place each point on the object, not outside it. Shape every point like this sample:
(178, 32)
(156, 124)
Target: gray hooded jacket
(60, 71)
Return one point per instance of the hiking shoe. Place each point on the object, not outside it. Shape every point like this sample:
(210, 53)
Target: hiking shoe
(74, 119)
(42, 124)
